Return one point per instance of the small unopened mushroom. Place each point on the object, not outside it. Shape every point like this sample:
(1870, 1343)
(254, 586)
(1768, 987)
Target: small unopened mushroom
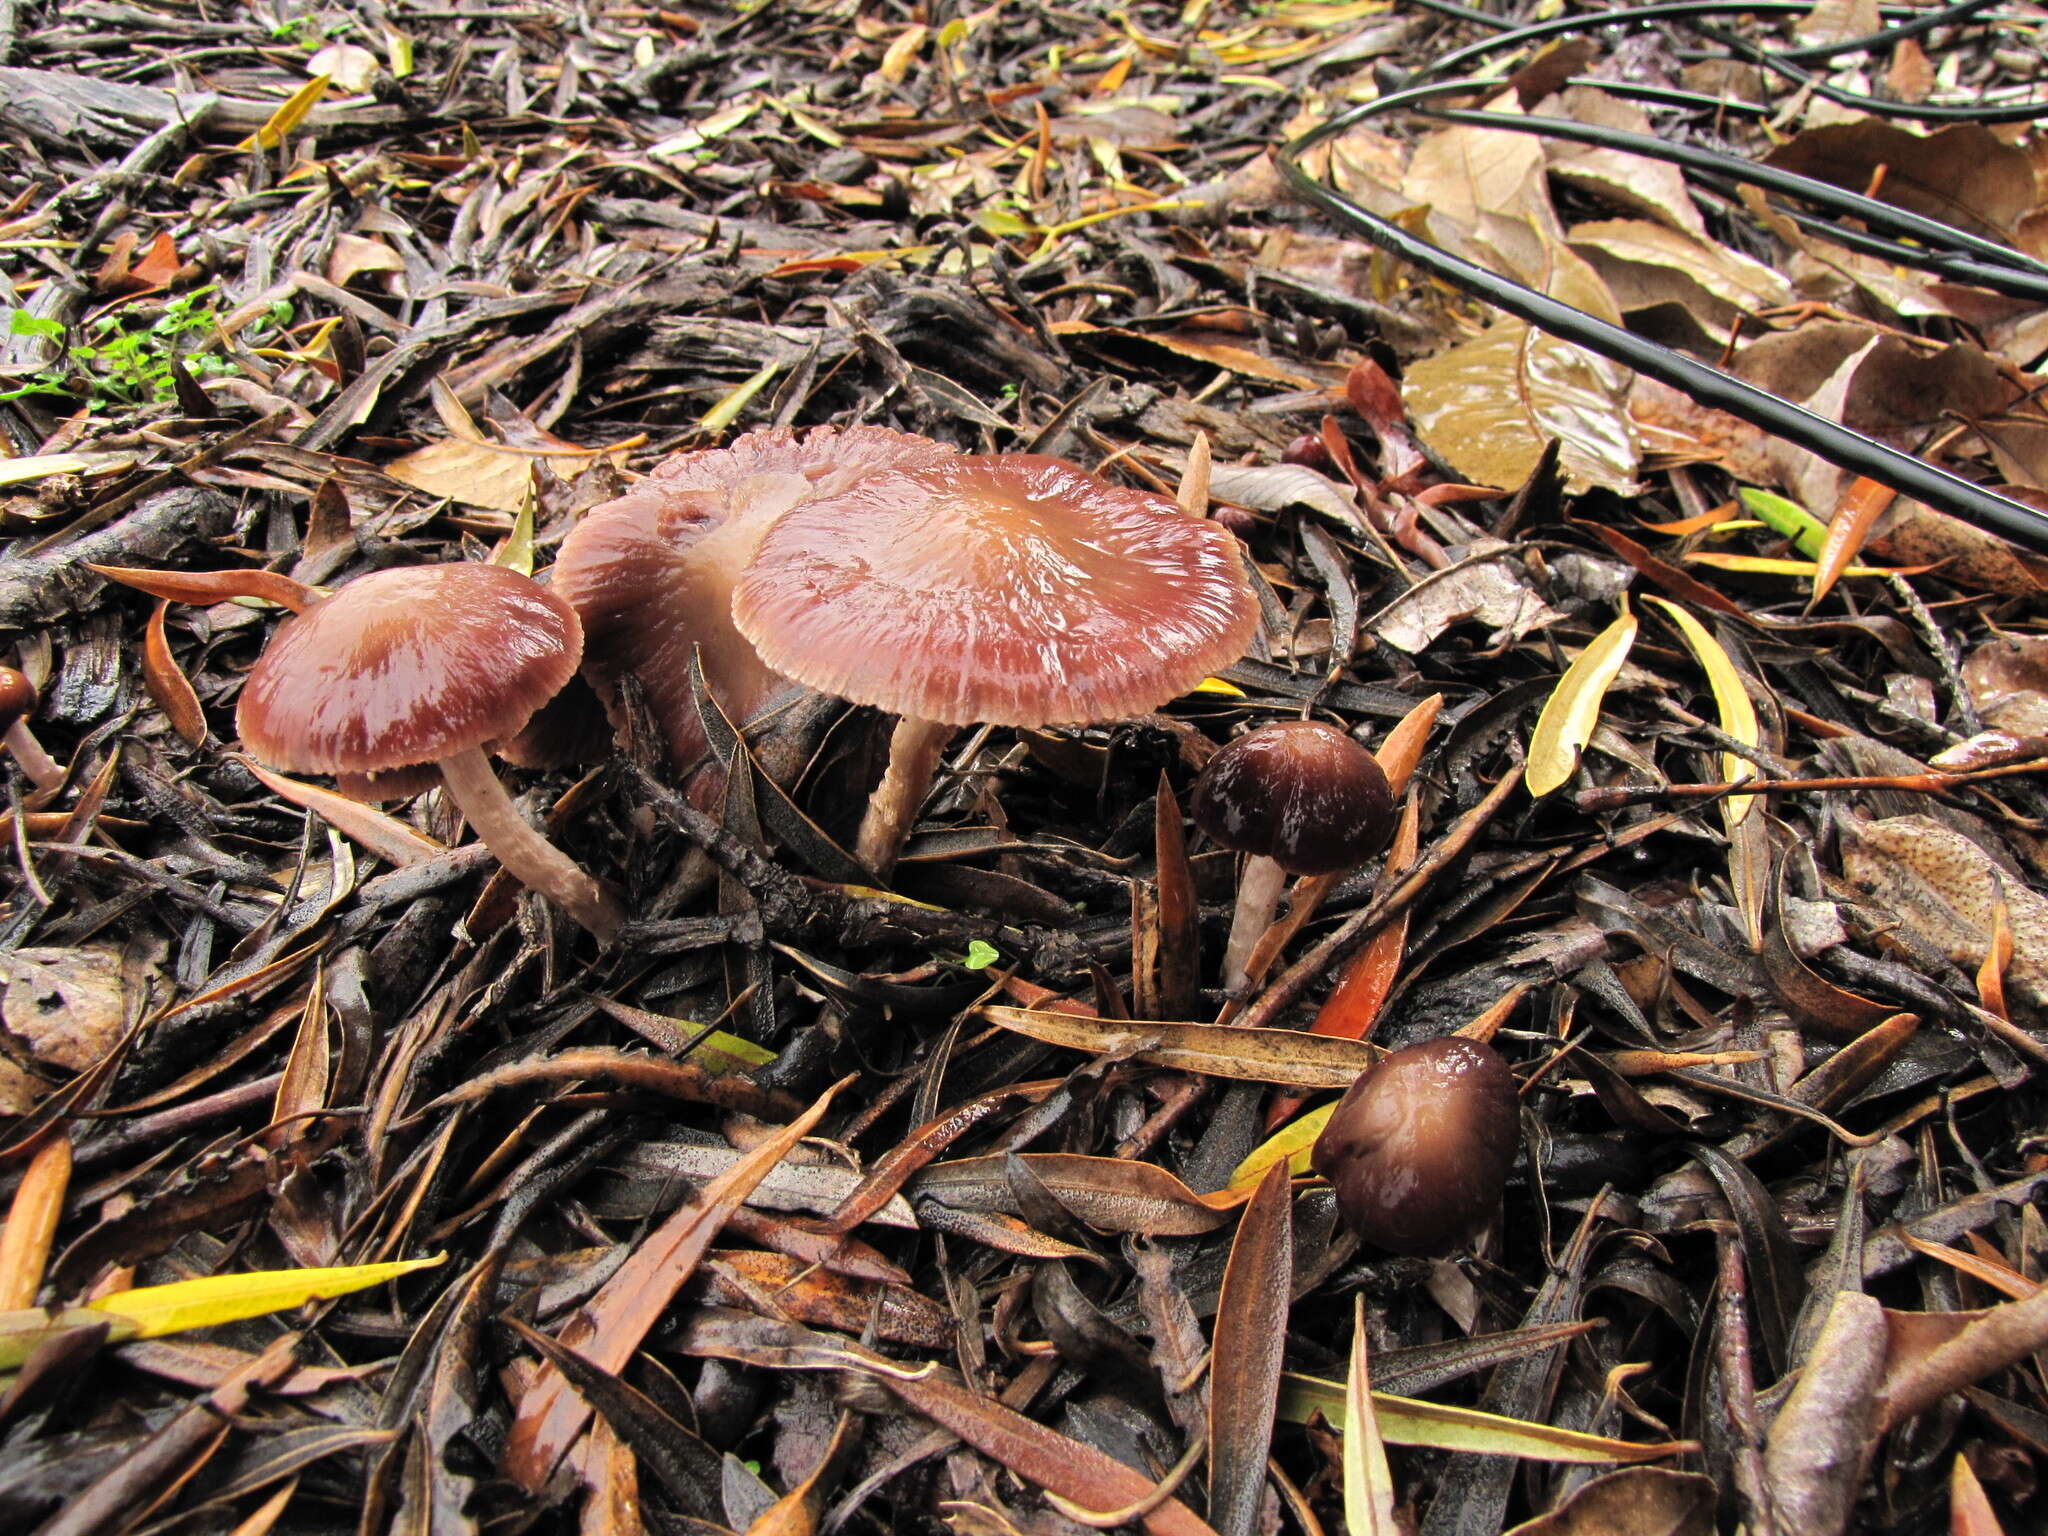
(1298, 797)
(17, 703)
(428, 665)
(1418, 1150)
(651, 573)
(1012, 590)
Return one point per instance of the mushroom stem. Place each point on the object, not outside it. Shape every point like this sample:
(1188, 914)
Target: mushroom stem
(1258, 898)
(914, 749)
(44, 771)
(531, 859)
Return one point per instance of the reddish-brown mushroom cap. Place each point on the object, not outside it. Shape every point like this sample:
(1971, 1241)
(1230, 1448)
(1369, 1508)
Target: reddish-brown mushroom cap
(1008, 591)
(651, 573)
(17, 698)
(428, 664)
(1300, 792)
(1419, 1150)
(408, 666)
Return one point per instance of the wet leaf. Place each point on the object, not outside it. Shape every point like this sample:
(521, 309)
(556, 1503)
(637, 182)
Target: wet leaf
(1491, 404)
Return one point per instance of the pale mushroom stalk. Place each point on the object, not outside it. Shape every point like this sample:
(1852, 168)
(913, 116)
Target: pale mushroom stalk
(1258, 899)
(43, 770)
(530, 858)
(17, 703)
(915, 747)
(1296, 797)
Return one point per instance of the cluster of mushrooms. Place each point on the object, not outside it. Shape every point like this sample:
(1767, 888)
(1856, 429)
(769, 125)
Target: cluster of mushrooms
(943, 588)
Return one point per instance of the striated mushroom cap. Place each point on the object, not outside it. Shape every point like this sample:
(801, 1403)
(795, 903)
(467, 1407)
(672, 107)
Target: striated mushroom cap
(651, 572)
(1419, 1150)
(408, 666)
(1011, 590)
(1302, 793)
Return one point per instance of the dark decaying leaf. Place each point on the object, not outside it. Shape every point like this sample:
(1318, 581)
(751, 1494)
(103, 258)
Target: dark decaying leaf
(1244, 1369)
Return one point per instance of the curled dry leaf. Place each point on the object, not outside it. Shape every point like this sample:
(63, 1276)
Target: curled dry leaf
(1943, 886)
(1486, 587)
(1636, 1501)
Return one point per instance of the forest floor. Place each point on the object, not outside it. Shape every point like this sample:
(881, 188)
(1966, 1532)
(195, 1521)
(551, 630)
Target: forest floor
(818, 1201)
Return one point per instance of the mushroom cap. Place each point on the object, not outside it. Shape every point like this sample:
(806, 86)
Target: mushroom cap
(1300, 792)
(650, 573)
(17, 698)
(1419, 1149)
(1011, 590)
(408, 666)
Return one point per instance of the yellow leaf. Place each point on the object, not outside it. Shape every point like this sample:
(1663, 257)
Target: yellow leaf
(1738, 715)
(1368, 1480)
(1217, 686)
(1767, 565)
(897, 57)
(726, 412)
(1567, 721)
(517, 555)
(289, 115)
(1409, 1421)
(159, 1309)
(1293, 1141)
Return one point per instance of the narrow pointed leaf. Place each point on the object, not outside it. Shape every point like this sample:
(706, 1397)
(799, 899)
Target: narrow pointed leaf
(1244, 1372)
(1567, 721)
(1738, 714)
(1368, 1480)
(156, 1310)
(1408, 1421)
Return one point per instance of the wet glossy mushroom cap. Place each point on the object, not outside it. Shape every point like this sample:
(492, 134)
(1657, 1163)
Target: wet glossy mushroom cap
(1010, 590)
(1418, 1151)
(17, 698)
(408, 666)
(1301, 793)
(651, 572)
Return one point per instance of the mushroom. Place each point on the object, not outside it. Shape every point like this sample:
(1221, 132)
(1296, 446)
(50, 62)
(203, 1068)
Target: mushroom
(651, 573)
(427, 665)
(17, 703)
(1299, 797)
(1418, 1150)
(1011, 590)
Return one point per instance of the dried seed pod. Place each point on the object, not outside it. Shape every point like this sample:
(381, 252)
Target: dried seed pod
(1419, 1149)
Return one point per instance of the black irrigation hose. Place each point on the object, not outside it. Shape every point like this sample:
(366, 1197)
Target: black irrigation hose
(1459, 60)
(1838, 445)
(1921, 22)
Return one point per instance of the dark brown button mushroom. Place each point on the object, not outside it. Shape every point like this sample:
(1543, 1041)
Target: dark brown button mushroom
(427, 664)
(17, 703)
(1300, 798)
(1419, 1149)
(1011, 590)
(651, 573)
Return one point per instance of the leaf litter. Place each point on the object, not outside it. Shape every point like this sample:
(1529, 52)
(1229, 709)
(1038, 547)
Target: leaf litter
(308, 291)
